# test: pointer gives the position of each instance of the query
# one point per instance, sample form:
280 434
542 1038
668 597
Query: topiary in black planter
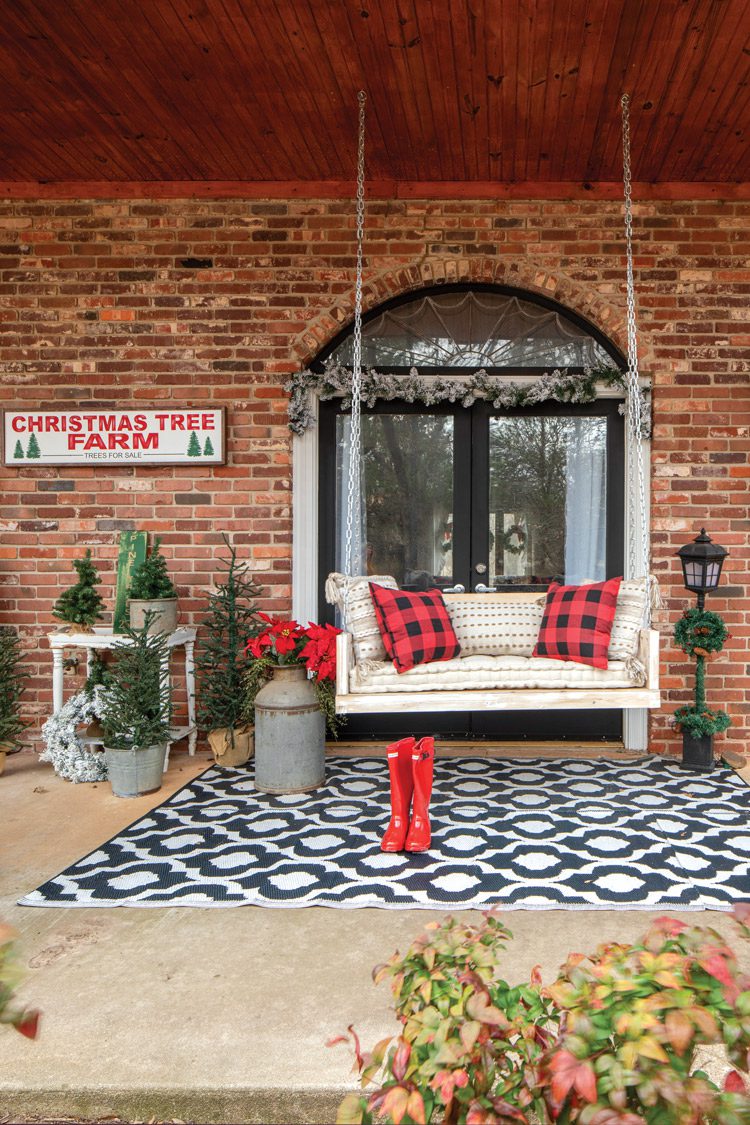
700 632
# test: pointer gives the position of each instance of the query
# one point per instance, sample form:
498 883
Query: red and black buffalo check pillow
415 627
577 622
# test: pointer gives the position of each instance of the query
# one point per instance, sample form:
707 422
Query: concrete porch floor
205 1015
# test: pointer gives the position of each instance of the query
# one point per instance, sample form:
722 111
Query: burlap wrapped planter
228 754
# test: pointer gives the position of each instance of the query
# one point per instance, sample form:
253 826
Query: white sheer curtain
586 502
359 522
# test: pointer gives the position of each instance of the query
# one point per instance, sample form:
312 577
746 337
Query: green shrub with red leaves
25 1020
610 1042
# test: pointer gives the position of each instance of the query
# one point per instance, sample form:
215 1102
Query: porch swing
367 686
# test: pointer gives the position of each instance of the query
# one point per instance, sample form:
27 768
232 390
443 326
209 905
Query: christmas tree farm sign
90 437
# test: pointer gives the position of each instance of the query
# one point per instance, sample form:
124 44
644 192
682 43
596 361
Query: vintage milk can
289 734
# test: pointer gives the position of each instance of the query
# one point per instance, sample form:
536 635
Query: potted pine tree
11 689
81 605
221 663
137 711
152 592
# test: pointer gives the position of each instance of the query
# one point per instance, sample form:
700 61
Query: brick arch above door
522 273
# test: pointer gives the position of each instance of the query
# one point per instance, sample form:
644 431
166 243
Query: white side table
104 638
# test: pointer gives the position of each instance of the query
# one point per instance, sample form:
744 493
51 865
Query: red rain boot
402 784
418 837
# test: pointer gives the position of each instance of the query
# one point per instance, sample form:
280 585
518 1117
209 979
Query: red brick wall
96 309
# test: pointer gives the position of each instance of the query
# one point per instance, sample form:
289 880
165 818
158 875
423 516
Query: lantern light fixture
702 561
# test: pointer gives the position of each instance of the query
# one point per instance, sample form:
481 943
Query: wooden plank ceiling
460 92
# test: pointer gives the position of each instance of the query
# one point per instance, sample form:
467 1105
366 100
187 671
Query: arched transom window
472 329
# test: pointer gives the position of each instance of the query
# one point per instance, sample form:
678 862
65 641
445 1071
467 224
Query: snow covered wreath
70 757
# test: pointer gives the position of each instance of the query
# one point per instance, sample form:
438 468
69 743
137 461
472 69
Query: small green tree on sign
33 449
194 446
208 449
18 451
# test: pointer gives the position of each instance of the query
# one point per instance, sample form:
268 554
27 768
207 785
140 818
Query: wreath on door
513 539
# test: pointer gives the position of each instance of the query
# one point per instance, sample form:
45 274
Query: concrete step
207 1106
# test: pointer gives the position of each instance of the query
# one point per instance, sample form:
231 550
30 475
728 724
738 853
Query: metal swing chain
354 499
634 413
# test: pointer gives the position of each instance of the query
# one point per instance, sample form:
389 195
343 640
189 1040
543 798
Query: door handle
480 588
457 589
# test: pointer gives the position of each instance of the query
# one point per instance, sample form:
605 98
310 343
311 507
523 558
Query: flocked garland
502 392
70 757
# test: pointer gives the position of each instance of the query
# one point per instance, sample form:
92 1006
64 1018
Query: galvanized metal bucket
135 772
289 734
164 610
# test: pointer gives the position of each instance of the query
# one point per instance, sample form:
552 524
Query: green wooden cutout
132 552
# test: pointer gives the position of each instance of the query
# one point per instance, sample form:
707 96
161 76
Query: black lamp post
702 561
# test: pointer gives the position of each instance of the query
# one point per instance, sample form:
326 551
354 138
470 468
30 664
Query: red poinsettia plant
285 642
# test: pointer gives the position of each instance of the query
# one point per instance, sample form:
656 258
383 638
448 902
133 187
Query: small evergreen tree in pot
152 591
137 712
221 662
12 687
81 605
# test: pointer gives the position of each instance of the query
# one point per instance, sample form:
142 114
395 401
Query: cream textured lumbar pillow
629 617
359 618
495 628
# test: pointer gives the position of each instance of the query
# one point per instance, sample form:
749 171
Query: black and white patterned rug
516 834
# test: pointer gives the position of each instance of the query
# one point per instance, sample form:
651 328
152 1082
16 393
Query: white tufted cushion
494 627
361 621
483 673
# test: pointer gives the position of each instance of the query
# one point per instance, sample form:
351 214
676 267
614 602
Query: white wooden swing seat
495 671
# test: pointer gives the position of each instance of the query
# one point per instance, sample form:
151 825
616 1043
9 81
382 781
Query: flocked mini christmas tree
81 604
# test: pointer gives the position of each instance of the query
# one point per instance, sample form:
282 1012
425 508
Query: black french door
481 500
